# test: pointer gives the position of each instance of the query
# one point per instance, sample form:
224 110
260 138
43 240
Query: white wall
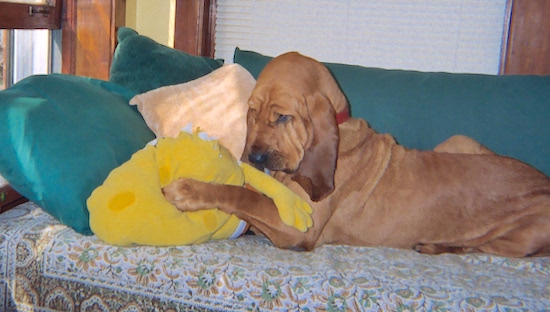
152 18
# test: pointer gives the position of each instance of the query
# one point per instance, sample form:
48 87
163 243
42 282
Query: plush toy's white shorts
241 228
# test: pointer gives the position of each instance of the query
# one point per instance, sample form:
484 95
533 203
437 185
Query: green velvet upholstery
141 64
508 114
61 135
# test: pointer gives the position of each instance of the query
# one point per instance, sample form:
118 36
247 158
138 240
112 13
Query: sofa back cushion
508 114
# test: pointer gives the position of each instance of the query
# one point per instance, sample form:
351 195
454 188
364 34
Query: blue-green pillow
508 114
61 135
141 64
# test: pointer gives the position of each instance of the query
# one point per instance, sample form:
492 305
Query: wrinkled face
279 129
292 124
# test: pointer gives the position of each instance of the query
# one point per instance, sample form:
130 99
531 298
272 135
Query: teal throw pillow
141 64
61 136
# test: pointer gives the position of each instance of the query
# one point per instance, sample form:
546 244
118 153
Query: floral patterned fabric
47 266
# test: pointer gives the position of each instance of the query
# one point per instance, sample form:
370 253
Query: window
29 52
28 42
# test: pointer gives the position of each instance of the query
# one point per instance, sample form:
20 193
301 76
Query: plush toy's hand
293 210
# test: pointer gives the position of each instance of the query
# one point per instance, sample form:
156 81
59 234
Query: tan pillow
215 103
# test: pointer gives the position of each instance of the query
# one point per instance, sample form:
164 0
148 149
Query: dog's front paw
435 249
430 249
186 194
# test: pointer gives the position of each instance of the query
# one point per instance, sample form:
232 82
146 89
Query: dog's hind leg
529 237
461 144
526 236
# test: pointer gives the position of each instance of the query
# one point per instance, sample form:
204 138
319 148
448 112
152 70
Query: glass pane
31 51
28 52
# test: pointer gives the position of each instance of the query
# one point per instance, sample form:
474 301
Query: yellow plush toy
129 208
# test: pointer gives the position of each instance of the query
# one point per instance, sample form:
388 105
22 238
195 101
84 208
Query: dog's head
292 122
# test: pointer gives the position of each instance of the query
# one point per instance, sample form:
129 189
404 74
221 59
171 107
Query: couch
62 135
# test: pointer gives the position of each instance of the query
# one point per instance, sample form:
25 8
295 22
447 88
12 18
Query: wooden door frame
194 26
89 36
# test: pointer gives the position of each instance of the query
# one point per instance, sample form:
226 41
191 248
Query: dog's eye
283 118
252 114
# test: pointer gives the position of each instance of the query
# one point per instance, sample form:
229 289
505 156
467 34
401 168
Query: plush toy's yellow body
129 208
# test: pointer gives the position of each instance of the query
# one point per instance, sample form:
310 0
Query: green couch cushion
508 114
141 64
61 135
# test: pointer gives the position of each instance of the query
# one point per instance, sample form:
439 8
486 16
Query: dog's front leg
255 208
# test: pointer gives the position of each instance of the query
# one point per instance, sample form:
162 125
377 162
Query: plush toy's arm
293 210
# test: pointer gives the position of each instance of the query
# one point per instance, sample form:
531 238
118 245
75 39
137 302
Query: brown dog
365 189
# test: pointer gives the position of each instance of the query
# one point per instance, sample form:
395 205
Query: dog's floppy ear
316 171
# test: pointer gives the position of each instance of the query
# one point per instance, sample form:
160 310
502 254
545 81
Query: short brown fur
365 189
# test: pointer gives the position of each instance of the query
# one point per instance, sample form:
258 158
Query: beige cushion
215 104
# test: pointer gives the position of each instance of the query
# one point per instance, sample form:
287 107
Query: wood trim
5 55
19 16
118 10
9 198
195 26
89 36
68 37
209 42
528 46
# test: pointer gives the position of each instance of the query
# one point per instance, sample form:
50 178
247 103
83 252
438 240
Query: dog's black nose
257 158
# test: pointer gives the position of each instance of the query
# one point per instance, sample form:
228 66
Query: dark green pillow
61 135
508 114
141 64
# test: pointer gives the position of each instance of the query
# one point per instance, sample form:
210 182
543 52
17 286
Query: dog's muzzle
258 158
267 159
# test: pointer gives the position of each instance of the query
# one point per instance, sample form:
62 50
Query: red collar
342 116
